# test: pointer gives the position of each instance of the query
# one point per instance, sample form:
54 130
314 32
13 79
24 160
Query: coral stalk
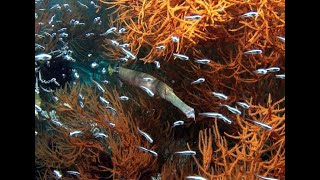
158 87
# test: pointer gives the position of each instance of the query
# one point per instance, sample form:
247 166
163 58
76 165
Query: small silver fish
111 124
260 71
193 17
157 64
94 65
175 38
35 133
225 119
75 133
98 85
124 98
123 59
81 96
202 61
198 81
73 173
148 151
254 51
96 20
177 123
83 5
181 56
67 105
111 30
196 178
57 174
220 95
282 39
115 43
128 53
51 19
280 76
62 29
122 30
147 79
147 136
100 135
210 114
266 178
37 108
103 71
103 100
187 153
250 14
89 34
106 81
57 6
244 105
124 45
76 75
43 57
162 47
89 55
147 90
63 34
264 126
232 109
81 104
273 69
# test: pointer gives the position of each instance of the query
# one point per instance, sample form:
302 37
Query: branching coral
253 151
82 150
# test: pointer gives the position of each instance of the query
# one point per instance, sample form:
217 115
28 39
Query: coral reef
223 58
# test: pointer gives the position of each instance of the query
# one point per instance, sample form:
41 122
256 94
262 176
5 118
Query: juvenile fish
128 53
147 136
198 81
187 153
254 51
193 17
225 119
160 47
75 133
123 98
73 173
210 114
220 95
103 100
111 30
202 61
147 90
89 34
249 14
178 123
124 45
94 65
57 174
175 38
157 64
196 178
181 56
83 5
147 79
51 19
115 43
282 39
100 135
231 109
266 178
260 71
148 151
123 59
98 85
63 34
43 57
273 69
280 76
122 30
264 126
244 105
62 29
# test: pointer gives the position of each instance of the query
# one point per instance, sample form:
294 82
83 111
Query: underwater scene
160 89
